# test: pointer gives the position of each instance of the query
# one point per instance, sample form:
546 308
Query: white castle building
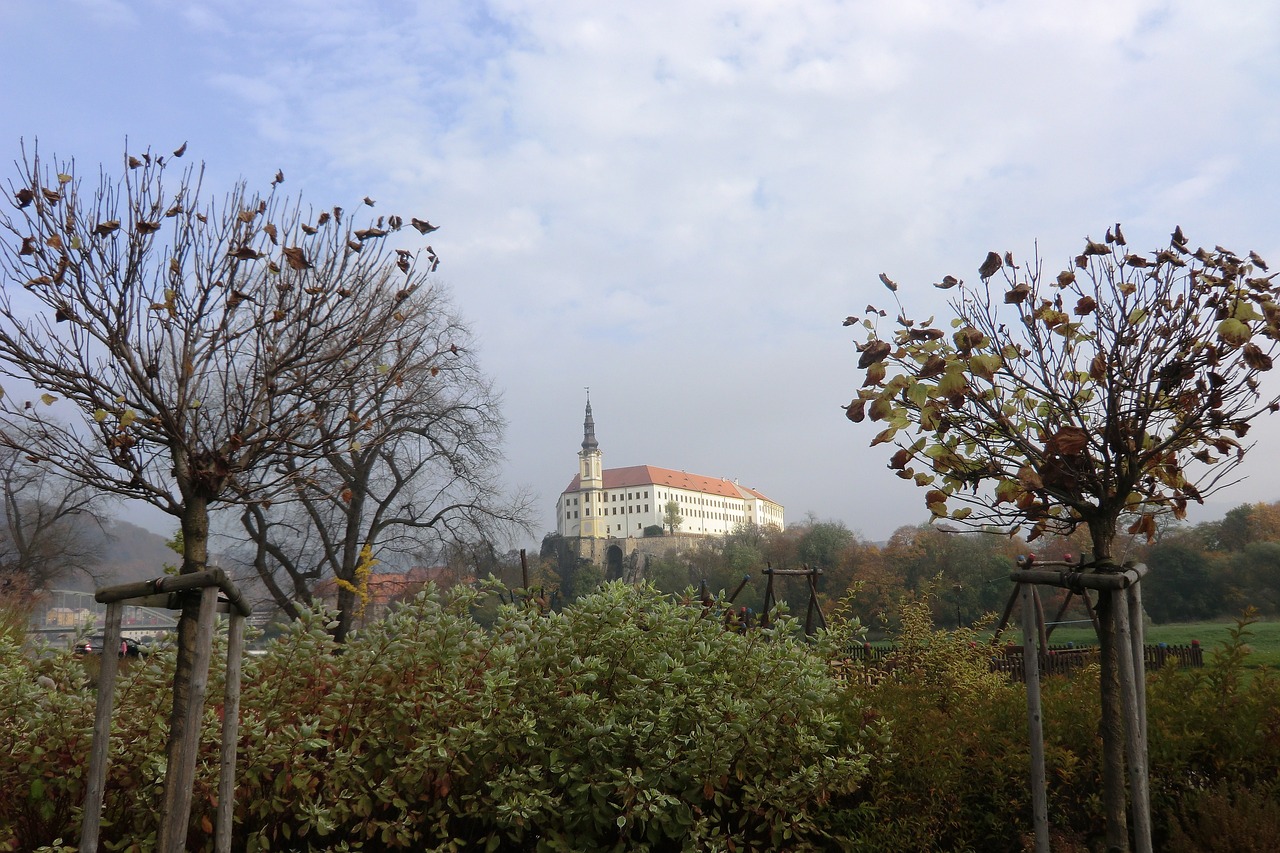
619 503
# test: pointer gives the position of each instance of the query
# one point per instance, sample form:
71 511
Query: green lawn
1264 639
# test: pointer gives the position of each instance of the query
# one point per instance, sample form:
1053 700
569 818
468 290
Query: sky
677 204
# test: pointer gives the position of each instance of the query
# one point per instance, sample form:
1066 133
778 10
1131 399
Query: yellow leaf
48 399
127 418
99 415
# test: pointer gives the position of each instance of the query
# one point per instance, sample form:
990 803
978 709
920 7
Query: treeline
1204 571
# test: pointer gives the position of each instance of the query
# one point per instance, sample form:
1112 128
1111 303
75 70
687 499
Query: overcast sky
677 203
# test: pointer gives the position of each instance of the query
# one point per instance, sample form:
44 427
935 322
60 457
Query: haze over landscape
677 204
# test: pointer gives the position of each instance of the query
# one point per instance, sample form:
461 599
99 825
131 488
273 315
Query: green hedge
631 722
625 723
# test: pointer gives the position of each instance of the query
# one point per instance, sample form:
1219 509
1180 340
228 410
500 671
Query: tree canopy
1121 384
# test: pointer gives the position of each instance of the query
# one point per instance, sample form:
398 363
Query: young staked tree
189 337
1119 387
407 467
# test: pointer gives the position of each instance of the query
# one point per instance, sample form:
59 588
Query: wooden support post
99 755
1139 656
230 735
1035 725
1135 744
173 835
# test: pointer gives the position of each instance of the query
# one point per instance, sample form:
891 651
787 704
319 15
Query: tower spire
589 428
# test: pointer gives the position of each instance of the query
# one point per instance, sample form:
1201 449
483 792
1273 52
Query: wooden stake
1035 726
230 736
100 752
1135 744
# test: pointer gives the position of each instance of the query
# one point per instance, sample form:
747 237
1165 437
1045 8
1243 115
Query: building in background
620 503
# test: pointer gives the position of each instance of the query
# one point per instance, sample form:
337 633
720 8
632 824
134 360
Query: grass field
1264 639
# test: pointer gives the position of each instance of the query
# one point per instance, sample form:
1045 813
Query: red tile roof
648 475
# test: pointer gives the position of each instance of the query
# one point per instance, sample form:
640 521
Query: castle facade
619 503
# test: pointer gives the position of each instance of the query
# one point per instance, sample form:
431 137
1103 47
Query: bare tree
1119 387
409 464
52 527
190 336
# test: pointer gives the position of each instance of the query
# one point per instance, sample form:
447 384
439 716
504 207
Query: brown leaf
180 150
51 196
889 283
308 229
355 245
1065 278
900 459
323 218
28 246
1255 357
1178 238
279 178
1098 368
1257 261
147 227
369 201
105 228
1092 248
873 352
1120 235
423 226
1018 295
990 266
245 253
370 233
934 365
948 282
1085 306
270 229
134 162
24 197
1068 441
297 260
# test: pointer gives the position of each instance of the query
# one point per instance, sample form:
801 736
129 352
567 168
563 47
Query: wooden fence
1060 660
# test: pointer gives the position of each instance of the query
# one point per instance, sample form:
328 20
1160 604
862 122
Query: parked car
129 647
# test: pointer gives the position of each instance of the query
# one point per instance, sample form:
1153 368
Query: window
646 507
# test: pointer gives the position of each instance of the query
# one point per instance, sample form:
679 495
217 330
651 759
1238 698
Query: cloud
678 203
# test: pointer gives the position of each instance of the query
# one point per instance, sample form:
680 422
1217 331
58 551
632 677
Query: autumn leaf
48 399
990 266
855 411
245 253
1068 441
370 233
1234 332
948 282
1255 357
105 228
889 283
423 226
1018 294
296 258
874 351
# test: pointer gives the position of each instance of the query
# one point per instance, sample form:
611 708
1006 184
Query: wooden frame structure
170 592
1123 585
813 617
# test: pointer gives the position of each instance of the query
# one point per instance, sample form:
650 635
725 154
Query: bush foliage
631 722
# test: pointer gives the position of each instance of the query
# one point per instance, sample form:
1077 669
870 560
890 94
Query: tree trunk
1112 724
195 556
346 613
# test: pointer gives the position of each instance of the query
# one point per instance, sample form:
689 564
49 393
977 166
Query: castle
619 503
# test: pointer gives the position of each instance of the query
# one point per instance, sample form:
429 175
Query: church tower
591 480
